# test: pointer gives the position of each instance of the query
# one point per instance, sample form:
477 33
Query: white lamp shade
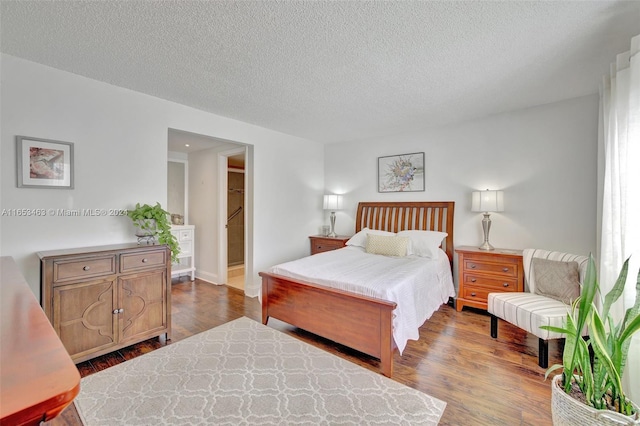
332 202
487 201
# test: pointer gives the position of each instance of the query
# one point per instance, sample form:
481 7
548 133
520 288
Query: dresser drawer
493 268
84 268
185 235
185 248
492 283
138 261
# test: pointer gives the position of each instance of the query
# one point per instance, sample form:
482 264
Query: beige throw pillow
387 245
556 279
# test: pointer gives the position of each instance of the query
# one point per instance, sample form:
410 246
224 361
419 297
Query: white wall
544 158
120 139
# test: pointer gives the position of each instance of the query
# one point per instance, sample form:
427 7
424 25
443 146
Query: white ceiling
187 142
331 71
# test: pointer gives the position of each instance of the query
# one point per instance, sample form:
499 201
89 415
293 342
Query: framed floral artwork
401 173
44 163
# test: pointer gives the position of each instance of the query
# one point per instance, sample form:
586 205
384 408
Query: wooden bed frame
359 322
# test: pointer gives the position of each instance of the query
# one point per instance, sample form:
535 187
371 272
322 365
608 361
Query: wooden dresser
320 243
100 299
37 377
481 272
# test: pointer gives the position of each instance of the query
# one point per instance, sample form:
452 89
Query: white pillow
387 245
360 239
424 243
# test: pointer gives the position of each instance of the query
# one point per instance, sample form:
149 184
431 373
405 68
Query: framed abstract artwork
401 173
44 163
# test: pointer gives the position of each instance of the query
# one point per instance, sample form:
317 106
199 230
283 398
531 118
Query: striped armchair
529 310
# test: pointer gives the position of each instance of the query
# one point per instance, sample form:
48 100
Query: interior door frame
222 212
186 184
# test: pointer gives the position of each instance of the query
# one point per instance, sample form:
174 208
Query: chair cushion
529 274
556 279
529 311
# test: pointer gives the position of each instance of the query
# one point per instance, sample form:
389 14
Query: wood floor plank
484 381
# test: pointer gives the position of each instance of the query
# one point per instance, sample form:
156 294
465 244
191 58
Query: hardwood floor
484 381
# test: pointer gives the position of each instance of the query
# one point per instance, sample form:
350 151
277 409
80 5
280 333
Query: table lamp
487 202
332 202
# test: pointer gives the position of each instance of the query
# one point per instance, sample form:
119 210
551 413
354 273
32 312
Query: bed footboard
359 322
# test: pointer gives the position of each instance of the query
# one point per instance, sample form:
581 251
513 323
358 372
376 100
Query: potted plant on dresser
153 225
589 390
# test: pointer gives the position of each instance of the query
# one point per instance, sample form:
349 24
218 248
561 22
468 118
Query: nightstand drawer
326 245
491 283
478 294
321 243
493 268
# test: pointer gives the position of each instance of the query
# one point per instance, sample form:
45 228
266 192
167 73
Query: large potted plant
589 390
152 222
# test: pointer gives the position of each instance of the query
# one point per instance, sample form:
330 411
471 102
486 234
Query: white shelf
185 234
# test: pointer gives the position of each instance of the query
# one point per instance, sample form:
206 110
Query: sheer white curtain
620 133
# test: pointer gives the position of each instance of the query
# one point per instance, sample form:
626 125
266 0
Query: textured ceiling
331 71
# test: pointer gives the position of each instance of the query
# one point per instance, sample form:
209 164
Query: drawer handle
473 280
121 310
472 266
505 284
505 269
473 295
115 312
86 268
145 260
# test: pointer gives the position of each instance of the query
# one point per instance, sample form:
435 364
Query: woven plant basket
151 224
567 411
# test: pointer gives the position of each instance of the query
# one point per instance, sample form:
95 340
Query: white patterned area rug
245 373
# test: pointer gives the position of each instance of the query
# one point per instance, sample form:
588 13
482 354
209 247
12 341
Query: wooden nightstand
320 243
481 272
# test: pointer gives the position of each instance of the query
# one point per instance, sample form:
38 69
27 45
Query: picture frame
401 173
44 163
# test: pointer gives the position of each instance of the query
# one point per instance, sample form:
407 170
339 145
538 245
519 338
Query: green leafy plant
598 373
153 221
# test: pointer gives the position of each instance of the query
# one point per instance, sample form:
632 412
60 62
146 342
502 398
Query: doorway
207 161
235 220
232 250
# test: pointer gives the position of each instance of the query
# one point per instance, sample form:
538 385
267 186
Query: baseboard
208 277
252 290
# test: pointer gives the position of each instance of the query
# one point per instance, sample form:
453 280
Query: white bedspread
419 286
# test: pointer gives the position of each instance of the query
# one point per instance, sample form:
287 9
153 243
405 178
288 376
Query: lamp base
486 226
486 246
332 219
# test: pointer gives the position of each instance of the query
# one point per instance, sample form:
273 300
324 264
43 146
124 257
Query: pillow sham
387 245
556 279
360 239
424 243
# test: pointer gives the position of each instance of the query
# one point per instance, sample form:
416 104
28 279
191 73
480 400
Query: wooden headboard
411 215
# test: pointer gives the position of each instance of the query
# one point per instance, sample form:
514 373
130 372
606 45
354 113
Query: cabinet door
142 300
83 316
